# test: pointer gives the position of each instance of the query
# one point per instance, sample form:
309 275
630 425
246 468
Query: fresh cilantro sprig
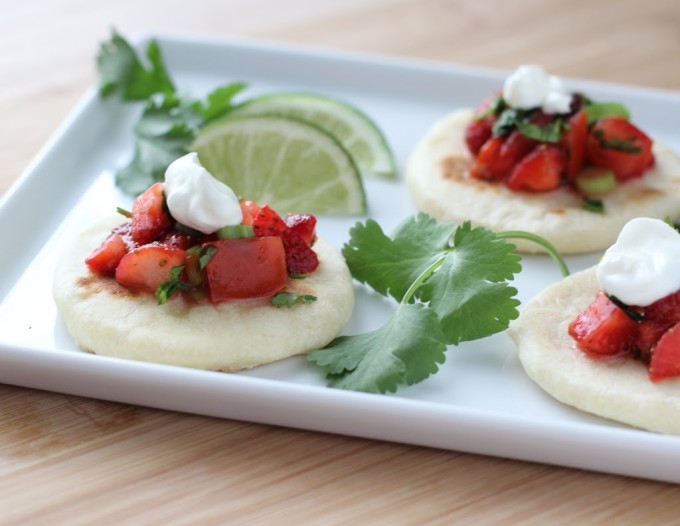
169 122
451 283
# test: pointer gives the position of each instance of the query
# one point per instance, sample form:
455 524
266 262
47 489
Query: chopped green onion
235 232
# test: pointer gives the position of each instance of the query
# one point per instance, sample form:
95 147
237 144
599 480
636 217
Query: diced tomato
540 170
658 318
665 361
149 216
485 164
648 334
304 225
604 329
105 258
480 127
246 268
300 258
574 142
616 144
478 131
249 210
500 154
268 223
665 310
146 267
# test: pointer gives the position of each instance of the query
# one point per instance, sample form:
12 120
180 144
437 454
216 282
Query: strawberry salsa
580 144
637 314
154 253
609 328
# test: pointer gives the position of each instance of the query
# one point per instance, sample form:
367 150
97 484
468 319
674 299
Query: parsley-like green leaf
593 205
404 351
390 265
551 132
218 102
205 255
173 285
288 299
123 74
507 121
469 291
169 123
451 283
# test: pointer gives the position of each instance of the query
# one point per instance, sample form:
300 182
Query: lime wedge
289 164
354 129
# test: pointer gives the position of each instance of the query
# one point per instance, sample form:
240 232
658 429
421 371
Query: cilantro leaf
123 74
551 132
173 285
218 102
469 291
390 265
451 283
169 123
406 350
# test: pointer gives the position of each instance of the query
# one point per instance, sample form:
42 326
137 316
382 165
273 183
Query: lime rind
357 132
290 164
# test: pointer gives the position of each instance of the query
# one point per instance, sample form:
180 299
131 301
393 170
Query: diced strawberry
540 171
249 210
485 164
574 143
304 225
499 155
149 216
177 239
268 223
604 329
105 258
665 310
478 131
146 267
649 332
617 144
300 258
665 361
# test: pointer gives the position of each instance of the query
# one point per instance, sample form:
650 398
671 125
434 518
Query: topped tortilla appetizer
535 157
607 340
197 278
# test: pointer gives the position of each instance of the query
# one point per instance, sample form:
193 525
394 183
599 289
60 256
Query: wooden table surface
70 460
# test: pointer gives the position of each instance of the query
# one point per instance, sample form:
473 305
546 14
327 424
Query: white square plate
480 402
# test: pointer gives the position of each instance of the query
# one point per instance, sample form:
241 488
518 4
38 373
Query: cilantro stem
420 279
549 247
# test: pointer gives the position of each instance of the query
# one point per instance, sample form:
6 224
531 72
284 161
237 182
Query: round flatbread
437 175
617 389
105 318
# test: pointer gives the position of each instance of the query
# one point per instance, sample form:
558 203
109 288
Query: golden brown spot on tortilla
643 194
93 284
557 211
455 167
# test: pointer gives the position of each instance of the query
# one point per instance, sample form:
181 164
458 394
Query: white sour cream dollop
531 87
644 264
198 200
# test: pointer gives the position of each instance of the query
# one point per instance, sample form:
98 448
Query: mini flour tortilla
618 389
105 318
437 175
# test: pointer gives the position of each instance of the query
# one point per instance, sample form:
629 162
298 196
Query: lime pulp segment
360 136
289 164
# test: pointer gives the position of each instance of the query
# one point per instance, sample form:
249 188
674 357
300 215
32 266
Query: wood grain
70 460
